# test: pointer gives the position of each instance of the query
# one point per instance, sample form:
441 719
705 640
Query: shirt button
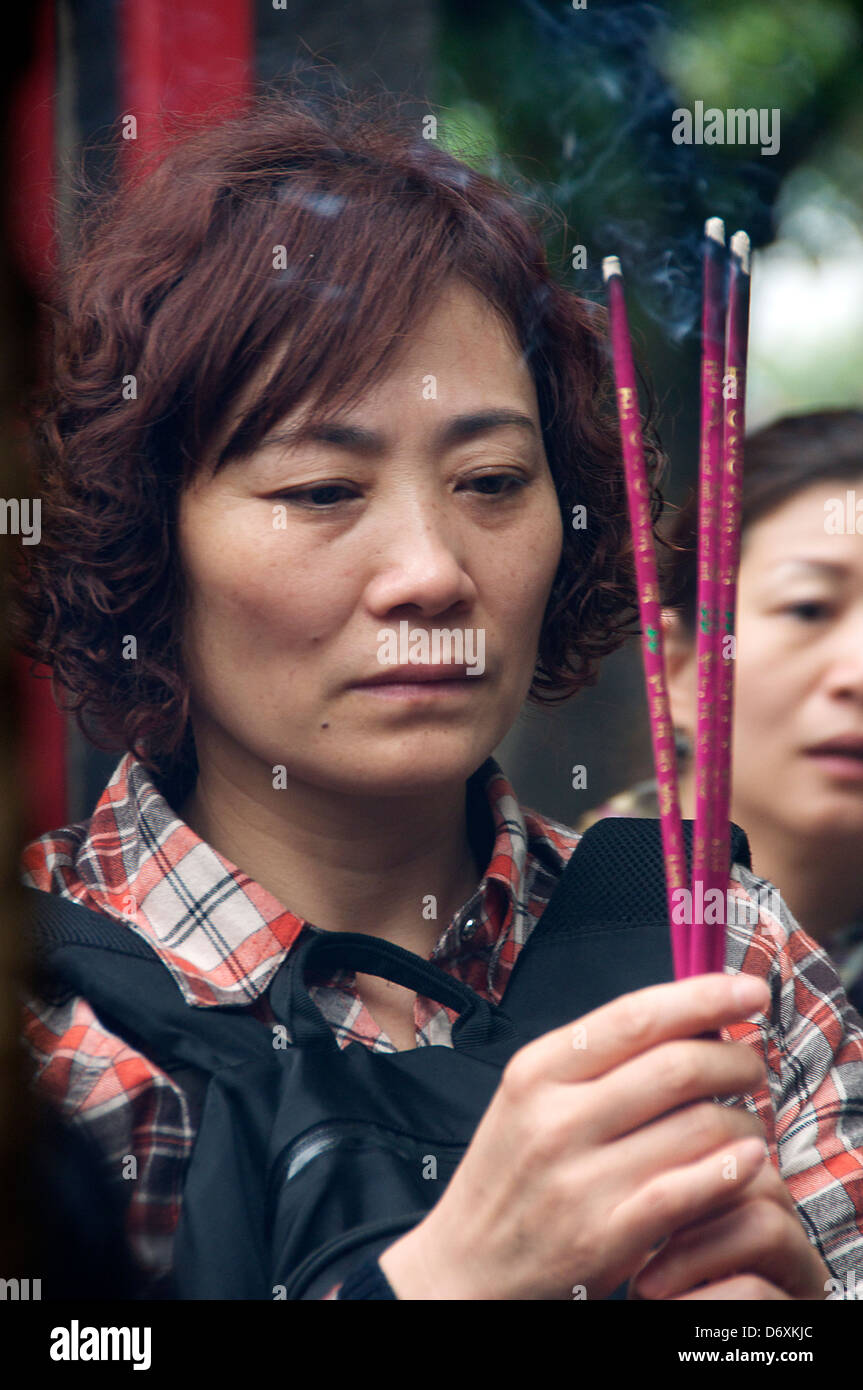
469 928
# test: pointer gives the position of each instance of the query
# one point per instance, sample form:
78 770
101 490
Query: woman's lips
421 683
843 762
421 691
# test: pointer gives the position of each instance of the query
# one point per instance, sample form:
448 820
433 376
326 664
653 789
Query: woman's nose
419 560
846 668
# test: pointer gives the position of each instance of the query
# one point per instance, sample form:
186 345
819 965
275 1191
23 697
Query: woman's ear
680 668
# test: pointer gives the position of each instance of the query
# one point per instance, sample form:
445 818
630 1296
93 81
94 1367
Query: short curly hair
166 308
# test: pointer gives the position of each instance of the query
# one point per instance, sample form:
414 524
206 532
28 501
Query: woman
319 403
798 718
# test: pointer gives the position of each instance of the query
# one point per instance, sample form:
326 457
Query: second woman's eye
501 484
810 610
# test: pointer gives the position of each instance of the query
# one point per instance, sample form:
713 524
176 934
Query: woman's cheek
764 694
539 546
262 580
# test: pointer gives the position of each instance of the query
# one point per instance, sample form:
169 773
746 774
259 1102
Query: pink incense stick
647 582
707 874
734 399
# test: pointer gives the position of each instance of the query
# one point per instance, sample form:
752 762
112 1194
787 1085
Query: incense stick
647 582
734 400
706 874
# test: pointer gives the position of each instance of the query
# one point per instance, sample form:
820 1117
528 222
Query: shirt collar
224 936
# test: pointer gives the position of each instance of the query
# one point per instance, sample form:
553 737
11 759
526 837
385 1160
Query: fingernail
750 993
650 1285
753 1148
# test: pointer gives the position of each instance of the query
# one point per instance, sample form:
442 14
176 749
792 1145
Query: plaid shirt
845 946
222 937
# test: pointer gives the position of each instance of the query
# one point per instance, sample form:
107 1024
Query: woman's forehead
805 509
460 333
815 528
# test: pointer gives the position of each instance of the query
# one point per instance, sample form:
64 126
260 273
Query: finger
769 1183
637 1022
684 1137
671 1075
757 1235
747 1287
682 1195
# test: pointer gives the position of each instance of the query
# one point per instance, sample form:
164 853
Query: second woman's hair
780 460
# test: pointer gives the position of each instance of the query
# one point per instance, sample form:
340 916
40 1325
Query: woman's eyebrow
832 568
365 441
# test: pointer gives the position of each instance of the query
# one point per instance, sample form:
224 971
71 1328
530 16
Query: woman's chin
832 809
407 768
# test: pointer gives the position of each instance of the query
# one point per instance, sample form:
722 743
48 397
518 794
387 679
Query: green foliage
767 53
468 131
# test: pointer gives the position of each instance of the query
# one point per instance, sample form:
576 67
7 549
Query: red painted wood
177 58
41 726
181 58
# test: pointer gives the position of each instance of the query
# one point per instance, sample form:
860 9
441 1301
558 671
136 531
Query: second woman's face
425 517
799 681
799 668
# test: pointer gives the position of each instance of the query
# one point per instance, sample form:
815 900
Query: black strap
291 1003
605 930
614 882
616 876
58 921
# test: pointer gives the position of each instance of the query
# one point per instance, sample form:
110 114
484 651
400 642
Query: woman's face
799 668
301 558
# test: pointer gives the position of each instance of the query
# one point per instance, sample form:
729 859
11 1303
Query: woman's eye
809 609
320 497
327 495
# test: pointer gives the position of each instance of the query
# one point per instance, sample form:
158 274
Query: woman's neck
393 867
817 877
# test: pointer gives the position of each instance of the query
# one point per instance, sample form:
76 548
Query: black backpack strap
616 875
56 922
77 951
605 931
479 1023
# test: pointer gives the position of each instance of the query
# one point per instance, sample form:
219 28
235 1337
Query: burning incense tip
740 248
714 228
610 266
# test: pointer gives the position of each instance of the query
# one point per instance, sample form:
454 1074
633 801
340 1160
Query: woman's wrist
414 1272
366 1281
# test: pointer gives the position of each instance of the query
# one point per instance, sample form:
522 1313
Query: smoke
625 187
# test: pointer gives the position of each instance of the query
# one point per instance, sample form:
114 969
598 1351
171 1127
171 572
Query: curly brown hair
167 307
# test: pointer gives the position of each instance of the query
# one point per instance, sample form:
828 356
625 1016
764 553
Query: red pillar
180 57
42 728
